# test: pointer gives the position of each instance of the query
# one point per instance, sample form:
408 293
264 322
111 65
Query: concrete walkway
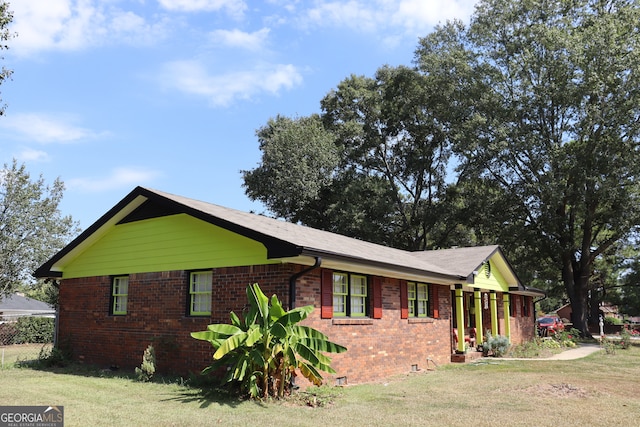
579 352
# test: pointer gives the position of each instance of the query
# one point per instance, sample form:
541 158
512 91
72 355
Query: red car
549 325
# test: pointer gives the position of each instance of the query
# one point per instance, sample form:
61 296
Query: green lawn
599 390
11 354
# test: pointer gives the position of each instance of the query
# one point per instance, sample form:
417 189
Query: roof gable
166 242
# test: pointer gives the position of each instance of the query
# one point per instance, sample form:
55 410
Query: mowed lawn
601 389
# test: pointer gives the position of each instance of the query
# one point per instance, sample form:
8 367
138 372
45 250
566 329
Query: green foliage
261 352
148 367
8 331
610 346
58 356
41 290
497 345
627 295
299 158
34 330
567 338
625 338
545 128
31 226
6 17
608 320
544 347
536 101
373 166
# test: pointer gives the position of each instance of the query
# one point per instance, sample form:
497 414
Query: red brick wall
522 326
380 347
156 314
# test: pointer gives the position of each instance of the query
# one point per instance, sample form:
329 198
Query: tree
382 169
299 158
6 16
620 280
628 299
262 351
547 113
32 228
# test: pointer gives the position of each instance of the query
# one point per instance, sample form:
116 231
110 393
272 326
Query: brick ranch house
158 266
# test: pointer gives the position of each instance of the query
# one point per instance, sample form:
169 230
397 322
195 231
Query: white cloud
31 155
232 7
406 17
193 78
417 16
351 14
118 178
69 25
235 38
44 128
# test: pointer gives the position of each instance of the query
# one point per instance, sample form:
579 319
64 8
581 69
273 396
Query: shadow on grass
206 397
196 388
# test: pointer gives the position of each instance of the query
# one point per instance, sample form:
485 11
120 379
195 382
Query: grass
598 390
11 354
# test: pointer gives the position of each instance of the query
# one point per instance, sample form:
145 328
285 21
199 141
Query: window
418 296
119 294
349 295
419 300
200 293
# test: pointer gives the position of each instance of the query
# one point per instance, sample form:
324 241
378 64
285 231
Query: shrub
567 338
609 346
34 330
8 332
145 372
58 356
612 321
497 346
625 339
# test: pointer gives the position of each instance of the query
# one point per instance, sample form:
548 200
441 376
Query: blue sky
168 94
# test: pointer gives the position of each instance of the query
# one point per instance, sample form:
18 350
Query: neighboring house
17 305
607 310
158 266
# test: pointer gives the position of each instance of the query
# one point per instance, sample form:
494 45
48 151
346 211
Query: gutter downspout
295 277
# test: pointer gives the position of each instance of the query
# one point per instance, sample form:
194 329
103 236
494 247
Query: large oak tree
550 119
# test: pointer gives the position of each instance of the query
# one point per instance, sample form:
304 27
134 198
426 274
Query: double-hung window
119 295
350 292
200 284
418 295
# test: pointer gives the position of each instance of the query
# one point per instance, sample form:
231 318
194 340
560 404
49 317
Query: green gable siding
176 242
495 281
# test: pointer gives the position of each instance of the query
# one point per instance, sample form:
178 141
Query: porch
478 312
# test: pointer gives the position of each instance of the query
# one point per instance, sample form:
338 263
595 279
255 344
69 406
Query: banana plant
262 351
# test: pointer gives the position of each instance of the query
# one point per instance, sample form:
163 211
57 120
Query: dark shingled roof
285 240
16 302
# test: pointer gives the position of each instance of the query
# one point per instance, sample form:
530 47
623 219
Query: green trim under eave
176 242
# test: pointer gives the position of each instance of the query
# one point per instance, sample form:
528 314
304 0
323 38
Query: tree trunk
576 283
